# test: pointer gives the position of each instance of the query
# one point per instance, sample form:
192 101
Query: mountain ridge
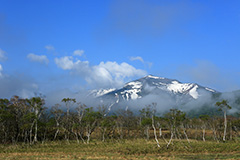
166 93
133 89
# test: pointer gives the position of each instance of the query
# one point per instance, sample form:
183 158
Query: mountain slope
167 93
156 86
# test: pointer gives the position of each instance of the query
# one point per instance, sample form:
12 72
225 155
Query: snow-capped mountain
165 92
154 85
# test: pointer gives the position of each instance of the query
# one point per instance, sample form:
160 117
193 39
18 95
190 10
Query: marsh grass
127 149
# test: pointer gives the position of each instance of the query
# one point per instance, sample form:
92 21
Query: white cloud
38 58
49 47
2 55
107 74
138 58
100 77
114 74
121 70
66 63
78 52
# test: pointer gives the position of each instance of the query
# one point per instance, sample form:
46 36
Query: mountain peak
153 77
158 86
150 89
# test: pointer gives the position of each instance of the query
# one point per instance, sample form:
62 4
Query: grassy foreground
128 149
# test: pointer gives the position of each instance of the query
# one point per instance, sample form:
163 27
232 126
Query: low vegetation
30 131
124 149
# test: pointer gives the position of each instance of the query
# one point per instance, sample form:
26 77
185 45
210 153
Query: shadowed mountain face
164 91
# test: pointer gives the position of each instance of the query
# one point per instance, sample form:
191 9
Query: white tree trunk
184 131
36 128
215 134
88 134
204 128
76 135
155 133
147 132
88 138
160 132
103 135
231 132
56 133
170 139
80 135
225 126
30 133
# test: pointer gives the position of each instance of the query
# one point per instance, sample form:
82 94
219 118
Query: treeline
30 121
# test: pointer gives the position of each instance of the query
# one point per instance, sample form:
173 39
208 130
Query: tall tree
37 108
79 129
176 119
204 119
91 118
57 113
146 119
69 102
153 123
223 106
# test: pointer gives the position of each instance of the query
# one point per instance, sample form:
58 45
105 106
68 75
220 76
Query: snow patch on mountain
98 93
177 87
116 95
193 92
154 77
211 90
133 92
135 85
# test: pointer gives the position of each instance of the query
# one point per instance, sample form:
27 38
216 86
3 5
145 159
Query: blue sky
53 46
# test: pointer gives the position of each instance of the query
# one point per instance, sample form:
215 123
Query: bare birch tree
223 106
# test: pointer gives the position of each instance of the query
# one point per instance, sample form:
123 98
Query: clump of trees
30 121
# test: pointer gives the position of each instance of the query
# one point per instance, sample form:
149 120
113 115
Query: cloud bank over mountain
106 74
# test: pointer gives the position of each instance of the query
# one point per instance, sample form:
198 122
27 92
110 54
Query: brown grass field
124 149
